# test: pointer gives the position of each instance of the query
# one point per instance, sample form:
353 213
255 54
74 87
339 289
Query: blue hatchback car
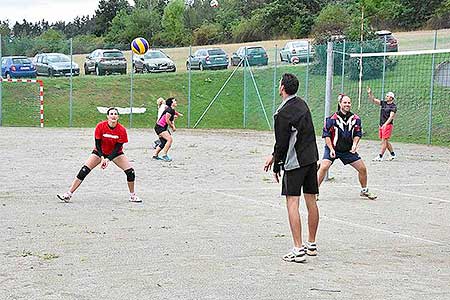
17 67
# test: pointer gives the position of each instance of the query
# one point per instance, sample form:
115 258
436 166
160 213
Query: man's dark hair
290 83
169 101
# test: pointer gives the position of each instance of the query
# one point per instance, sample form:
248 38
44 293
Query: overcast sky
50 10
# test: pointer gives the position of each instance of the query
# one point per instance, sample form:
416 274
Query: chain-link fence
245 94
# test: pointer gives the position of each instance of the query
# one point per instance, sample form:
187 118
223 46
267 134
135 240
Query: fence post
1 75
343 67
71 85
131 91
307 71
430 110
274 83
384 69
329 84
245 88
189 89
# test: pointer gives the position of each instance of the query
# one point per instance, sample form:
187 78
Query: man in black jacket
295 152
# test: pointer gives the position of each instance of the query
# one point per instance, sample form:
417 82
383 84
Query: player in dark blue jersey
342 133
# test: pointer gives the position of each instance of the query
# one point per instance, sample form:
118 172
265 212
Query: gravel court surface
213 225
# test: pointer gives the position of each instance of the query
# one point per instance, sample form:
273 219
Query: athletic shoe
64 197
368 194
311 249
134 198
294 256
377 158
392 157
156 157
166 158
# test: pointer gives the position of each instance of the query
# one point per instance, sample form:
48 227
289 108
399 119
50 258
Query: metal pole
131 91
307 71
384 69
343 67
329 84
1 74
71 85
189 89
274 83
245 88
430 110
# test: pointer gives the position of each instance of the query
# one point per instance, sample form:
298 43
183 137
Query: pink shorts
386 132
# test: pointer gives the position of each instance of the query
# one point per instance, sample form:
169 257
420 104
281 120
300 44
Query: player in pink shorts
388 111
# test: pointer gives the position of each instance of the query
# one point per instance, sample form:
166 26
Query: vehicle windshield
58 58
113 54
257 50
216 52
21 60
154 54
300 44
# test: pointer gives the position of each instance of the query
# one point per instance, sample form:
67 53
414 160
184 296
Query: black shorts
98 154
159 129
305 177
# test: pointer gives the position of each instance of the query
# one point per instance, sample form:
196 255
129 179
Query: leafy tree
51 41
174 31
207 34
107 10
140 23
441 17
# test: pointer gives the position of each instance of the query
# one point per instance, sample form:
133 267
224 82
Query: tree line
176 23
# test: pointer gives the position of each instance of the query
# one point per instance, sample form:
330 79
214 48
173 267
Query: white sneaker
64 197
311 249
294 256
377 158
134 198
392 157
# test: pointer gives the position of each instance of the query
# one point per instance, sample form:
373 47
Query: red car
391 41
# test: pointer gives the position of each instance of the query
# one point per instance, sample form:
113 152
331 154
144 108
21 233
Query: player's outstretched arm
372 97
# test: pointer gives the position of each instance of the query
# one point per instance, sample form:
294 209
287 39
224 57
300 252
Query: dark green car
256 56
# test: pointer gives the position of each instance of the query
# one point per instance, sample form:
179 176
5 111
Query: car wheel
124 72
200 66
50 73
188 67
86 71
145 69
7 75
281 57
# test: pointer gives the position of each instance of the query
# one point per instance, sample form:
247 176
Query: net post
384 68
343 66
430 110
307 70
329 85
245 88
274 83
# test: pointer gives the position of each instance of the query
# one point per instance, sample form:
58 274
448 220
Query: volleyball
214 3
139 45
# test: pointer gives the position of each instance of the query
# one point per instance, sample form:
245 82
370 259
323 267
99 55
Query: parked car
153 61
54 64
208 58
295 51
105 61
391 41
256 55
17 67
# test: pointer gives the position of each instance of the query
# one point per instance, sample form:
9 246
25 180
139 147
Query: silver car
153 61
295 51
54 64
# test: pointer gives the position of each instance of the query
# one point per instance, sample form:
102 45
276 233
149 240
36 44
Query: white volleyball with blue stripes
139 45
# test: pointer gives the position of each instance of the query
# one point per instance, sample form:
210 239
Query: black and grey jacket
295 139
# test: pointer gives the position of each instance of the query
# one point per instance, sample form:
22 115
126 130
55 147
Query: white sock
297 250
69 193
365 190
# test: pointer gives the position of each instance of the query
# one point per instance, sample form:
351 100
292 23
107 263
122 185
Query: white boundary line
416 52
381 230
411 195
335 220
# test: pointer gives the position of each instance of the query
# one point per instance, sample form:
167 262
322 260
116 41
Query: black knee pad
130 174
83 173
163 142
